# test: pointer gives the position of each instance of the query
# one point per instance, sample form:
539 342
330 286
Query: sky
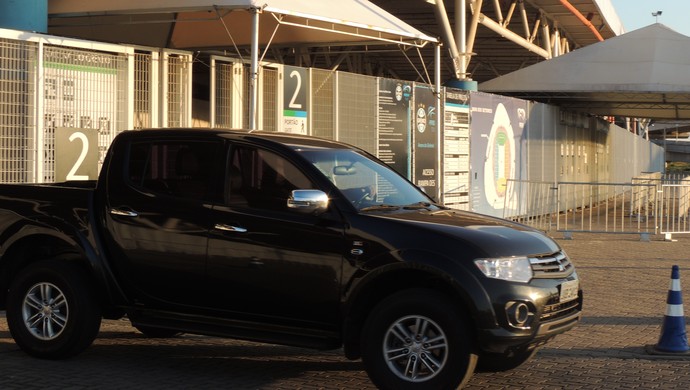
636 14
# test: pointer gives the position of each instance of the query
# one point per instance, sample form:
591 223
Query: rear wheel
52 311
417 339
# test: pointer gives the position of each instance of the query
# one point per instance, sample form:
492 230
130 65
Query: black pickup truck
280 239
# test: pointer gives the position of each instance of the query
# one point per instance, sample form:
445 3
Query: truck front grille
559 310
551 267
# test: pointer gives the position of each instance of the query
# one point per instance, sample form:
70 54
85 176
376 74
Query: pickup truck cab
281 239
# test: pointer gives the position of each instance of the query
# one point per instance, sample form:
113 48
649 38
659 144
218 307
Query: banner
496 129
426 140
394 124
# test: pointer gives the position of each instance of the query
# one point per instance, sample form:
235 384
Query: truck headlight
515 269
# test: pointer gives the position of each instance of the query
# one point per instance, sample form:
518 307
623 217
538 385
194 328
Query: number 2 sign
295 94
76 154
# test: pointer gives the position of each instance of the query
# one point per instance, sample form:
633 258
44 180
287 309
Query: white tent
644 73
187 24
231 24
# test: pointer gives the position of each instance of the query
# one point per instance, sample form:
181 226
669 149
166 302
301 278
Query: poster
394 125
497 124
426 139
456 149
295 88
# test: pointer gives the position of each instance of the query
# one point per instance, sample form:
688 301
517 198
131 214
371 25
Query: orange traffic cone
673 339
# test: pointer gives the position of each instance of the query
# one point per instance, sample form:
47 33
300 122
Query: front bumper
548 319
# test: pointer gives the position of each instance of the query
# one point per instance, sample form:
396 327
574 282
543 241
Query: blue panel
27 15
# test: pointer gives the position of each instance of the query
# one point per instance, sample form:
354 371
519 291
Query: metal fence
50 87
606 208
531 202
655 204
17 110
674 209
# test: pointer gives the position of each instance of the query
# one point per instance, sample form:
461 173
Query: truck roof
258 136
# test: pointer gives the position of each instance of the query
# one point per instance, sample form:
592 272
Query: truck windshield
367 184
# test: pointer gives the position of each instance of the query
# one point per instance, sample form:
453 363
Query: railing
640 207
531 203
674 209
606 208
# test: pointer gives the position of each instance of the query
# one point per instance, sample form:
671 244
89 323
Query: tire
448 351
500 363
157 333
57 296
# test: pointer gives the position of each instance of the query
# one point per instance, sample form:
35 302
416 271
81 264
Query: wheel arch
392 278
34 243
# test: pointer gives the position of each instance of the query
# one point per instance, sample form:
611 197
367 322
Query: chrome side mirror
308 201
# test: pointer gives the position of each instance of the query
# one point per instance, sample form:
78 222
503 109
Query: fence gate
674 209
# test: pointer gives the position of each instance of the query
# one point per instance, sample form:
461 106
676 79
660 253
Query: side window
180 169
262 179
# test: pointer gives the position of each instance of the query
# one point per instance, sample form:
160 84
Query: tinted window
262 179
181 169
362 181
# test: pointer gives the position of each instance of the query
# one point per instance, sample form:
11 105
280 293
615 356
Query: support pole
461 34
438 171
447 33
254 68
476 12
515 38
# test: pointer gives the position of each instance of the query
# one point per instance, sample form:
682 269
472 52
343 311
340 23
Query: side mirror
308 201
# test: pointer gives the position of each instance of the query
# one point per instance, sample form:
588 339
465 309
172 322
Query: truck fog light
519 314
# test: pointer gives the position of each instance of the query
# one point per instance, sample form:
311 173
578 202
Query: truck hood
494 236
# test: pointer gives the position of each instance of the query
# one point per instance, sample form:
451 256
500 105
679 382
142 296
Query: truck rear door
158 217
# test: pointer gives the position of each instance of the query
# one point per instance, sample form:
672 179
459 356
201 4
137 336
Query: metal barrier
531 203
607 208
623 208
674 209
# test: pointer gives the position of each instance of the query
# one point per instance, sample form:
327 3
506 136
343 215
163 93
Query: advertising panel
426 140
394 124
497 124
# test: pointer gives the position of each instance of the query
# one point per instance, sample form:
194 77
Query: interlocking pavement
625 282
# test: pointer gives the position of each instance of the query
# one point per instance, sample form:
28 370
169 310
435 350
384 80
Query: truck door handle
230 228
124 213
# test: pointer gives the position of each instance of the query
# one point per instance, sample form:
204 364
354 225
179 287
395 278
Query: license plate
569 290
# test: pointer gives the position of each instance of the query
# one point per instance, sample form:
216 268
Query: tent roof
189 24
643 73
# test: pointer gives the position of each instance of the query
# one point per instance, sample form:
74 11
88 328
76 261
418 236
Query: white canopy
644 73
189 24
227 24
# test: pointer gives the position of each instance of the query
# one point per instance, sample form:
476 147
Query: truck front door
268 263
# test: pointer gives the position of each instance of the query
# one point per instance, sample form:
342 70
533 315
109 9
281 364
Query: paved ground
626 282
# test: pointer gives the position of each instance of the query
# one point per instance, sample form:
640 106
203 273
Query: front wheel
417 339
51 310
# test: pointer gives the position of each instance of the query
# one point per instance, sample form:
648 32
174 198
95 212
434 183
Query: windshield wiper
420 206
380 207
